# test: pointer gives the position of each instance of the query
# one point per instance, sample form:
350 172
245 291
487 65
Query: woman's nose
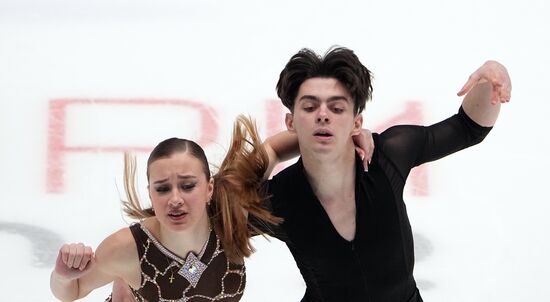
176 200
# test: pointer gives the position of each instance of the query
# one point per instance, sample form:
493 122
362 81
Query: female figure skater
189 245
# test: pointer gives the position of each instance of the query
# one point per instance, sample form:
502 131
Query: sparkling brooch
192 269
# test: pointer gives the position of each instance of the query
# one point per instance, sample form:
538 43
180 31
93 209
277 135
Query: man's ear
357 124
289 121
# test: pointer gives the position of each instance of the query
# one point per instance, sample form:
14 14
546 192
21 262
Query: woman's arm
121 292
284 146
78 270
280 147
73 261
76 273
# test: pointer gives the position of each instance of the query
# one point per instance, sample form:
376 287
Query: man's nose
322 117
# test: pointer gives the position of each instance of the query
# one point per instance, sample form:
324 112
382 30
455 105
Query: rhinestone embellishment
148 257
192 269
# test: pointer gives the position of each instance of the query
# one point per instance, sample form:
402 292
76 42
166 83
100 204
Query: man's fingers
464 89
501 92
472 81
494 73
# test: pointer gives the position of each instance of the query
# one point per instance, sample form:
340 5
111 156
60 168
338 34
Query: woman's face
179 191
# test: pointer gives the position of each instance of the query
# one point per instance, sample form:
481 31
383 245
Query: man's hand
495 73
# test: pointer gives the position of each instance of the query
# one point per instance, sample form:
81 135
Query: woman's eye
162 189
187 187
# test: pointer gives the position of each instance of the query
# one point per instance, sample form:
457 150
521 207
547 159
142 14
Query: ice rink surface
81 81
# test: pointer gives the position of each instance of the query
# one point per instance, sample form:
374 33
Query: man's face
323 117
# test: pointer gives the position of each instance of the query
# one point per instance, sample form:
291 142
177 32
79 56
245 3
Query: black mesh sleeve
408 146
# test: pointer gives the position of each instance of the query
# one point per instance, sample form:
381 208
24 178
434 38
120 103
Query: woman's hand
364 145
74 260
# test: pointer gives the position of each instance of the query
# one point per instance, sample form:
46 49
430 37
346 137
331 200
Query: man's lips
322 133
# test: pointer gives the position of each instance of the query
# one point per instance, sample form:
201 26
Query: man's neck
332 178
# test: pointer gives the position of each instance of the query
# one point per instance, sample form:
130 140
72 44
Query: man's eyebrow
308 97
335 98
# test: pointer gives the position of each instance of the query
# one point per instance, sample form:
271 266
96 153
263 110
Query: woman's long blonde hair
238 188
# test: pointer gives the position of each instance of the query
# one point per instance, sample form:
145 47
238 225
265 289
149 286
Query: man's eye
309 108
338 110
